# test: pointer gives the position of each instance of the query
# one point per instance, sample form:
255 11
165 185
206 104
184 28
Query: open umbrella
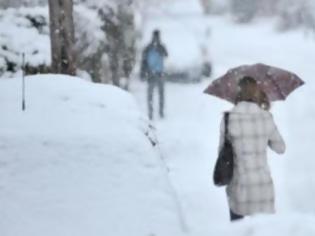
275 82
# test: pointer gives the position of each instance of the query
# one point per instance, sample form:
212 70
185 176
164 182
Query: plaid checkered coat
251 130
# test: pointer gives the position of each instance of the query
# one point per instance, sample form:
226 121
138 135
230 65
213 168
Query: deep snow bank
78 162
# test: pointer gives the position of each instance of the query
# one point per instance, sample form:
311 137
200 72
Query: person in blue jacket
152 69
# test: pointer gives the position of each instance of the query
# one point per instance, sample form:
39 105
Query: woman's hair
264 102
249 91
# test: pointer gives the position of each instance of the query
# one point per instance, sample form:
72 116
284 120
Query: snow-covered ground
79 161
189 134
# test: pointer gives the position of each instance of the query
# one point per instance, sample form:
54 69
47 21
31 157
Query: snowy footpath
189 135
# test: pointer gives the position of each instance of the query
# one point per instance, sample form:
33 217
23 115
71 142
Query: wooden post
23 82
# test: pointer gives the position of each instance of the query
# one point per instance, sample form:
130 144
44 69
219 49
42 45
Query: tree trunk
62 37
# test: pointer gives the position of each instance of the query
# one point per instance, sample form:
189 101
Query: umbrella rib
278 87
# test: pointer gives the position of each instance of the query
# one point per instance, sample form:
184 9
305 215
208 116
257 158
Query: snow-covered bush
3 65
90 42
215 6
119 26
290 14
244 11
24 30
88 31
19 3
297 14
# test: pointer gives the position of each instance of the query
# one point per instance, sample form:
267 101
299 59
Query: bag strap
226 124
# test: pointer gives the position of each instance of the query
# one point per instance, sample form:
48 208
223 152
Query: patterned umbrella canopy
275 82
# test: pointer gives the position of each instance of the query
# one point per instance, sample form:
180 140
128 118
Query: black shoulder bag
223 170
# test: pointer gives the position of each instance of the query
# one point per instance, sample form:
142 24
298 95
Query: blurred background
109 35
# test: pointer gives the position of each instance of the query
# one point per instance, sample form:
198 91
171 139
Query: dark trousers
235 217
155 80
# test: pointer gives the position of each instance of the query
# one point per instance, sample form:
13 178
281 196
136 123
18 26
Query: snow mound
79 161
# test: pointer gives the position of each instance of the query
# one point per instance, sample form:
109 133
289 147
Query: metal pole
23 82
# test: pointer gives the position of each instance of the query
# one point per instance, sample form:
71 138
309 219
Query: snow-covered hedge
26 30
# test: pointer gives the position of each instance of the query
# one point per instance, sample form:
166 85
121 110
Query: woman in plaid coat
251 130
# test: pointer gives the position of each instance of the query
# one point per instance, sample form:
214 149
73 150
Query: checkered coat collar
247 107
